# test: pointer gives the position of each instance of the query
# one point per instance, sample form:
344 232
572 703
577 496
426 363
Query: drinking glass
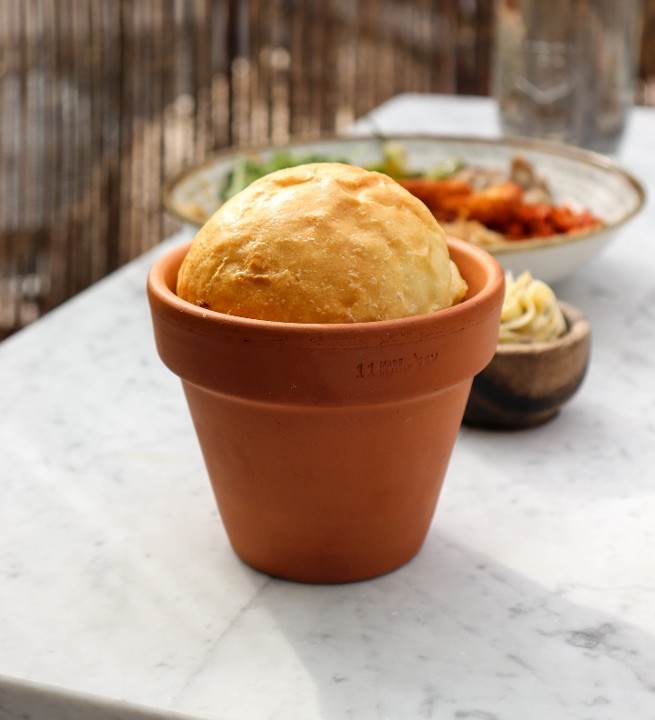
565 69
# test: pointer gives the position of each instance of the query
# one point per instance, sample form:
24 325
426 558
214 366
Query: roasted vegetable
512 205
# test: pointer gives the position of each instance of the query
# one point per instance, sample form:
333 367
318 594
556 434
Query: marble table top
533 597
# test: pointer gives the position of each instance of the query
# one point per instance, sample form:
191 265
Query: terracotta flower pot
327 445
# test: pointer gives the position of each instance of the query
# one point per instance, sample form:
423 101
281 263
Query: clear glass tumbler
565 69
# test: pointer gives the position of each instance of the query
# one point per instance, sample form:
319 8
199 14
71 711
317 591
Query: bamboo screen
102 100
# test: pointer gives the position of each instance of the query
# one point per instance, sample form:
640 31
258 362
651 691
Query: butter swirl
530 312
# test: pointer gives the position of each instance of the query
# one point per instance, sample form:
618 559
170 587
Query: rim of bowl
577 328
548 147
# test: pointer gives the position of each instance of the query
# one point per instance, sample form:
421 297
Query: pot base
327 495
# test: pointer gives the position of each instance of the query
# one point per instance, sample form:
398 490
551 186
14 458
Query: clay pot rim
578 328
455 316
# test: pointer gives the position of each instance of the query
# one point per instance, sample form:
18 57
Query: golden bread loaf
321 243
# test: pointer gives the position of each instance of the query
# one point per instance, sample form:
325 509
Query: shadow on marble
547 459
452 635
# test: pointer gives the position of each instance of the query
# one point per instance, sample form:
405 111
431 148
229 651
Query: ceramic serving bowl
576 176
327 445
526 384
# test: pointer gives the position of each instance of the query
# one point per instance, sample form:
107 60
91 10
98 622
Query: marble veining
533 596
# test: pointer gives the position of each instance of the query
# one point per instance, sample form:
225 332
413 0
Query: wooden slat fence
102 100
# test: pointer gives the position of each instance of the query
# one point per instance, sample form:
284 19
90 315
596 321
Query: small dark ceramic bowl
525 385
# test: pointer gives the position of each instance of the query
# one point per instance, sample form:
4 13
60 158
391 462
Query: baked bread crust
321 243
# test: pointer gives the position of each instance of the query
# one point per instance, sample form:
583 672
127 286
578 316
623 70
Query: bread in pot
321 243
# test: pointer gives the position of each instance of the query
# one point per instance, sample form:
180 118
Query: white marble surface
534 596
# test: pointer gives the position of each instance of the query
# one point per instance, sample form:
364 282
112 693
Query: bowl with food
534 205
540 363
326 334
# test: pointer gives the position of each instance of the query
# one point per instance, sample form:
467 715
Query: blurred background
102 100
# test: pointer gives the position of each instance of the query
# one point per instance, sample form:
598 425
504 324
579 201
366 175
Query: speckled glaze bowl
327 445
526 385
580 177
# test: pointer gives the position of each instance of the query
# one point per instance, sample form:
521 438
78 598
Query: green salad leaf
247 168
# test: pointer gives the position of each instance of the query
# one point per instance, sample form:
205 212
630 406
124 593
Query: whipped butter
530 312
